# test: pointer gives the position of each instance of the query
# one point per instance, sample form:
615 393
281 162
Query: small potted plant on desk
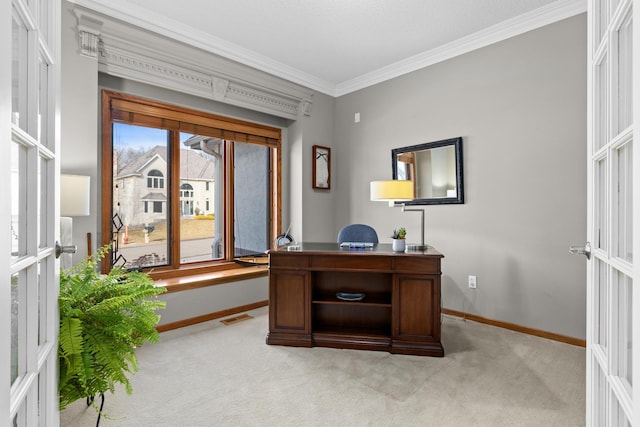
399 237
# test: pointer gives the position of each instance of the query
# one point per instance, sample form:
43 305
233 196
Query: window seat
195 281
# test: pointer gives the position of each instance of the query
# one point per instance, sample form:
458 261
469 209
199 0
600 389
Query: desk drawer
418 264
351 262
289 261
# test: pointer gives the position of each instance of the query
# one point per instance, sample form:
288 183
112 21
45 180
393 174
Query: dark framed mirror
435 169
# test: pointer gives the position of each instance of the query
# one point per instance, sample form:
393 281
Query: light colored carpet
216 375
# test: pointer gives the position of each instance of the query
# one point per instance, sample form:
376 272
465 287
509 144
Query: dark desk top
334 248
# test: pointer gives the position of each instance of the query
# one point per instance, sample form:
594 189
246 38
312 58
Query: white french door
29 125
613 315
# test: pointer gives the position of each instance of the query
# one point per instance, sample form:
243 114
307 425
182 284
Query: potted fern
103 318
399 242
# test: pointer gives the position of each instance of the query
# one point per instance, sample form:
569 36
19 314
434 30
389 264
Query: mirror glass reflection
435 168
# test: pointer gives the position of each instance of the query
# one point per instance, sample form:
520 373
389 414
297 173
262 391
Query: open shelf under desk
368 301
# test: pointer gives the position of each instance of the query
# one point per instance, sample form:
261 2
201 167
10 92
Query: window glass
139 196
251 199
201 179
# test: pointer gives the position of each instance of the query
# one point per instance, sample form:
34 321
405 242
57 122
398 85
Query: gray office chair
359 233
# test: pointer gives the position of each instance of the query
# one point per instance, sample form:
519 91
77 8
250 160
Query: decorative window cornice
88 34
132 53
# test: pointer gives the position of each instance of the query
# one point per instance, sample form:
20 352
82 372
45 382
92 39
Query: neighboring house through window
208 184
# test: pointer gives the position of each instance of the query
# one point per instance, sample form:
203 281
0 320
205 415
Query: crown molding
143 18
546 15
129 52
169 28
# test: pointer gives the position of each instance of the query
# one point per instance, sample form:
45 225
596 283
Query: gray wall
520 106
318 206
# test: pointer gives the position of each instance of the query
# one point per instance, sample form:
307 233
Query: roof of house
154 197
194 165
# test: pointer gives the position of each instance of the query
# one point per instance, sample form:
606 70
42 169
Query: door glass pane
42 301
201 198
251 199
601 301
625 89
600 396
624 222
140 196
19 75
18 201
619 417
601 129
15 322
43 104
44 14
601 17
624 326
43 203
42 395
600 204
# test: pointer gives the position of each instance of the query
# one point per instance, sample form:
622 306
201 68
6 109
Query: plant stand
90 402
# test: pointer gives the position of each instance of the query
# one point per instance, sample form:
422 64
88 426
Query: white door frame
30 210
5 214
613 270
636 212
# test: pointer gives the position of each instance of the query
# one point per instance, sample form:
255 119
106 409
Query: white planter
398 245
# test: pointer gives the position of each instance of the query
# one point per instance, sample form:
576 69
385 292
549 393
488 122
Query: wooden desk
400 312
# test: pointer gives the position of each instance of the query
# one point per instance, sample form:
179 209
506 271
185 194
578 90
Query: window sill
195 281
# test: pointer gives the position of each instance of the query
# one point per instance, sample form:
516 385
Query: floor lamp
393 191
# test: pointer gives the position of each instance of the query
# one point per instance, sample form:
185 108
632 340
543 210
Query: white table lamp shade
74 195
391 191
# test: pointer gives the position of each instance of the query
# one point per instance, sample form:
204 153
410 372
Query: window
155 179
186 190
171 174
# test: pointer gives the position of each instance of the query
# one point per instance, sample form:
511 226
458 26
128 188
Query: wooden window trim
124 108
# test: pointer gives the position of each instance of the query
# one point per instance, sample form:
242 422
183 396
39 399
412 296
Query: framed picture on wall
321 167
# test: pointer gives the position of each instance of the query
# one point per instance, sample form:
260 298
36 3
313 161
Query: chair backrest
360 233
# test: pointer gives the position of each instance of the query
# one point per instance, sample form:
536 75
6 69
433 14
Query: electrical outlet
472 282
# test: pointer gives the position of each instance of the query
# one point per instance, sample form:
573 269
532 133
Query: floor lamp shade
74 195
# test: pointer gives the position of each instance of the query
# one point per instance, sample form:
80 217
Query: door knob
581 250
70 249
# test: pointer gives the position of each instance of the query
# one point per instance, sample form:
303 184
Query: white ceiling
338 46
